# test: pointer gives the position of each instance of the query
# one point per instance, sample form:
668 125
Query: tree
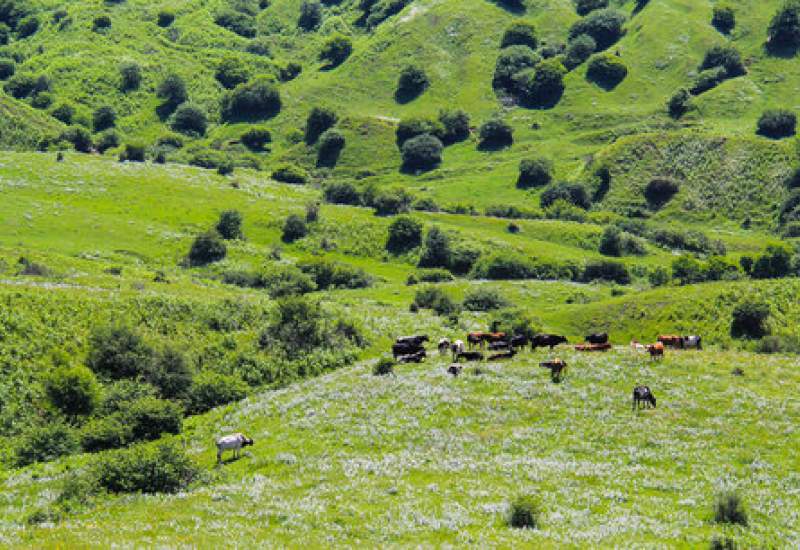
319 120
165 18
172 90
310 15
584 7
412 127
534 172
118 352
189 119
784 29
27 27
573 193
606 70
579 50
749 319
543 86
436 252
611 241
456 126
422 153
411 83
236 22
79 137
510 62
229 225
72 390
331 144
130 74
519 34
392 201
679 103
336 49
256 139
777 123
495 133
775 263
726 57
605 26
256 99
294 228
207 248
723 18
660 191
404 234
231 72
103 118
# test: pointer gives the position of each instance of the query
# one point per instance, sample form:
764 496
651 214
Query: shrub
462 259
290 71
172 90
211 389
726 57
63 112
296 328
606 270
229 225
331 144
46 442
7 68
484 299
130 76
327 274
583 7
519 34
456 126
430 276
777 123
161 468
404 234
658 277
707 80
660 191
290 173
436 251
508 266
524 513
256 99
573 193
729 509
104 118
286 280
412 127
110 432
775 263
256 139
101 23
606 70
189 119
149 418
723 18
20 86
605 26
384 366
422 152
342 193
495 133
294 228
42 100
133 152
611 241
790 209
723 543
749 319
543 86
411 83
236 22
72 390
431 297
336 49
207 248
392 201
310 15
784 29
534 172
117 352
27 27
107 140
318 121
679 103
579 50
165 18
784 343
231 72
79 137
511 61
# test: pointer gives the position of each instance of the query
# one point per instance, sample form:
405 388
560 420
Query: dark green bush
495 133
462 259
27 27
286 280
505 265
318 121
289 72
161 468
336 49
456 126
236 22
436 249
574 193
606 270
484 299
784 29
231 72
543 86
431 297
679 103
45 442
72 390
392 201
165 18
583 7
327 274
207 248
119 394
294 228
189 119
422 152
42 100
606 70
79 137
411 83
519 33
256 99
20 86
149 417
103 118
723 18
211 389
102 433
310 15
510 211
729 509
133 152
775 263
404 234
384 366
130 74
7 68
433 275
342 193
256 139
511 61
723 543
693 241
170 373
707 80
290 173
660 191
172 90
605 26
229 225
383 9
726 57
777 123
534 172
331 144
749 319
117 352
101 23
107 140
784 343
63 112
524 513
412 127
579 50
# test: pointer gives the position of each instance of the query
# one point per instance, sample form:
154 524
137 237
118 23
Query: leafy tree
294 228
511 61
256 99
207 248
296 327
777 123
189 119
495 133
727 57
519 34
331 144
63 112
130 74
72 390
79 137
336 50
236 22
605 26
231 72
422 152
436 252
534 172
456 126
784 29
170 373
611 241
256 139
319 120
392 201
103 118
404 234
411 83
211 389
660 191
45 442
543 86
579 50
229 225
584 7
573 193
775 263
290 173
412 127
118 352
749 319
679 103
172 90
310 15
606 70
342 193
723 18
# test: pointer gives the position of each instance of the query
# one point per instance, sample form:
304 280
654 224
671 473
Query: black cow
519 341
642 394
503 355
547 340
417 357
597 338
469 356
500 345
406 349
455 370
415 340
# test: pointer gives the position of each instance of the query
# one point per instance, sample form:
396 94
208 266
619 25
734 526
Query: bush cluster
535 172
411 83
605 26
257 99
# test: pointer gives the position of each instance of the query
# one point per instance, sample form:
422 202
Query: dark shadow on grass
407 96
640 5
607 84
517 7
782 51
165 110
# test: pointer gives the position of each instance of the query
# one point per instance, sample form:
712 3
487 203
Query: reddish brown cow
670 340
656 350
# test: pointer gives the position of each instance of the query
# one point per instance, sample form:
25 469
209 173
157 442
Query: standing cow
547 340
643 395
597 338
233 442
444 346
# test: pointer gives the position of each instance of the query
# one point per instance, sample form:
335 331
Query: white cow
444 345
233 442
457 347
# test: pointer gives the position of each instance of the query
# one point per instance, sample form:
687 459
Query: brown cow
671 341
557 368
656 350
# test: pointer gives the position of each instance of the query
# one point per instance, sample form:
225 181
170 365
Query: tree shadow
165 110
328 159
403 96
607 84
640 5
517 7
542 103
783 51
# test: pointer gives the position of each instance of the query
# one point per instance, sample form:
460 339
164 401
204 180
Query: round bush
456 126
749 320
79 137
784 29
63 112
336 50
660 191
130 76
413 127
584 7
7 68
100 434
392 201
229 225
28 27
422 153
211 389
404 234
519 34
511 61
436 252
207 248
606 70
319 120
46 442
524 513
495 133
72 390
342 193
411 83
165 18
107 140
606 270
256 139
605 26
579 50
150 417
679 103
42 100
253 100
777 123
534 172
484 299
294 228
162 468
20 86
726 57
118 352
384 366
104 118
573 193
310 15
231 72
172 90
101 23
611 241
723 18
189 119
289 173
133 152
236 22
331 144
543 86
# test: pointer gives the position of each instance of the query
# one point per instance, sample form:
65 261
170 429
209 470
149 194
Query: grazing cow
417 357
519 341
455 370
642 394
457 347
469 356
547 340
656 350
476 339
413 340
503 355
500 344
405 349
557 368
444 346
597 338
233 442
692 342
670 340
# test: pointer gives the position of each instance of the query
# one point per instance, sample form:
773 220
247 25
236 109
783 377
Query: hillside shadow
640 5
